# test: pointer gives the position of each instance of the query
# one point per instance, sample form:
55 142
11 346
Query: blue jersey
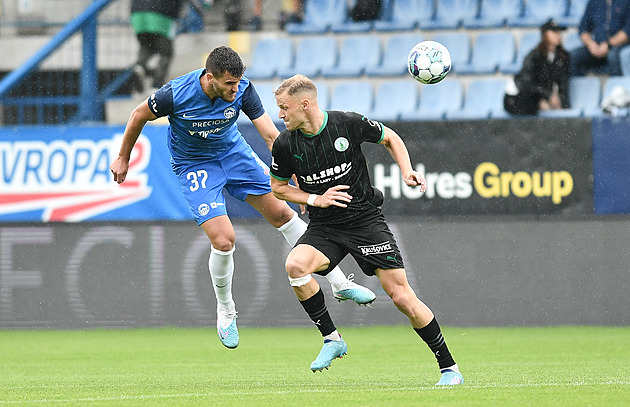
202 128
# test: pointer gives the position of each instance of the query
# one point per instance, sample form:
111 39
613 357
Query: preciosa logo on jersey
385 247
341 144
229 113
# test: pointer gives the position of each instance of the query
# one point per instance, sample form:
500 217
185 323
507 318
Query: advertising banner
62 174
480 167
473 273
520 166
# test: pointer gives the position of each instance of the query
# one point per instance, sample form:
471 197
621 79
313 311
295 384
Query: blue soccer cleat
226 328
355 292
330 351
450 378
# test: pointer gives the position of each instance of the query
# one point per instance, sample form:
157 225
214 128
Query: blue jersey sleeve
252 106
161 101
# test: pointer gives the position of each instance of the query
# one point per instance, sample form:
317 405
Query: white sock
337 279
454 368
221 266
334 336
292 230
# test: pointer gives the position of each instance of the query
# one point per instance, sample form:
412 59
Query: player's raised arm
267 129
139 117
396 147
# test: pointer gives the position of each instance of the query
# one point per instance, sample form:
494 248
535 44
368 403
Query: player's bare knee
401 300
295 269
224 245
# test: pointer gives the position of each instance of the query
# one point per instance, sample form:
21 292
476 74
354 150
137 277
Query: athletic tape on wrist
311 199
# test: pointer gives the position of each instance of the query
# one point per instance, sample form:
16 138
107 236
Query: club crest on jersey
229 112
203 209
341 144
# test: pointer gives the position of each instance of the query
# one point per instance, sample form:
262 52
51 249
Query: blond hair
297 84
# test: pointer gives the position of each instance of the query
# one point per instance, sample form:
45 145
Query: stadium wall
523 224
472 272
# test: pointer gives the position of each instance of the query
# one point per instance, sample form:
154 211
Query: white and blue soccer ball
429 62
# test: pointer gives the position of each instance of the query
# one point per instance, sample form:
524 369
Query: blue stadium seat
585 97
574 14
269 56
436 100
356 54
528 42
406 14
323 94
489 51
536 12
572 41
394 61
353 96
585 94
388 108
458 45
319 16
265 91
484 99
312 55
450 14
495 13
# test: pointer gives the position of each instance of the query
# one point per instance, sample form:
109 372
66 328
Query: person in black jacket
155 23
543 82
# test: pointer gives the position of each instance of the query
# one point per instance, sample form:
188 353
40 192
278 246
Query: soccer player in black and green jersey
323 150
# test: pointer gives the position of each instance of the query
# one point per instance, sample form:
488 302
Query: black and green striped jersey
331 157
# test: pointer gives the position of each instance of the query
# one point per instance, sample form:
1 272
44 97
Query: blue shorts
240 171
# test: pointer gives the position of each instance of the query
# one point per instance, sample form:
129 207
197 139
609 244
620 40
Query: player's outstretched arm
396 147
139 117
267 129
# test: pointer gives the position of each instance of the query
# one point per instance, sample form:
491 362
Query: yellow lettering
562 186
487 187
521 184
506 179
490 182
541 188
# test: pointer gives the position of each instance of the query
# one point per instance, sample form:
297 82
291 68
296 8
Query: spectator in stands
365 10
604 30
543 82
292 13
154 22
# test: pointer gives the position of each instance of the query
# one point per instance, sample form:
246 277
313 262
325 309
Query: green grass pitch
385 366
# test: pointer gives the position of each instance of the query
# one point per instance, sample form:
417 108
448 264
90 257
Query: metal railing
61 101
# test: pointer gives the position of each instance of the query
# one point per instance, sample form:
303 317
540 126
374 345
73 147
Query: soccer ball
429 62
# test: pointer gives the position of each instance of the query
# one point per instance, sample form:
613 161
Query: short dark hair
224 59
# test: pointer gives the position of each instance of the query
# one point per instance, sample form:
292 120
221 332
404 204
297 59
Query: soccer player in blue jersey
208 153
323 149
